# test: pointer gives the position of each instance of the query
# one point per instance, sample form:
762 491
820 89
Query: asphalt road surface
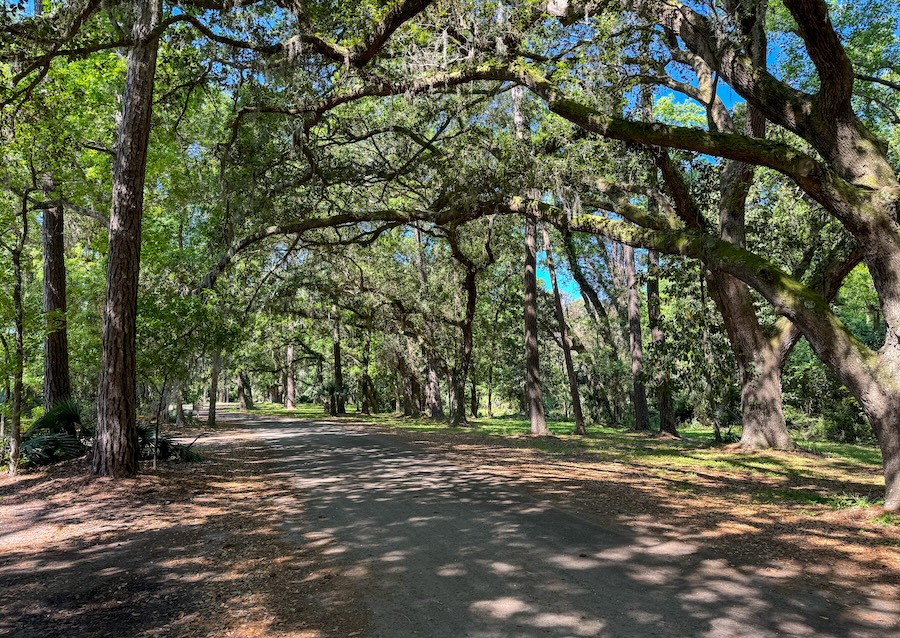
441 551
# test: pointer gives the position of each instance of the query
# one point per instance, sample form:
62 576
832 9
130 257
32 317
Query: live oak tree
852 178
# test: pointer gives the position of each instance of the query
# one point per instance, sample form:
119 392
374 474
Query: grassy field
818 473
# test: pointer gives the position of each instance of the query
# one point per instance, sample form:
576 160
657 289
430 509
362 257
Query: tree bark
564 339
635 339
464 362
115 443
242 398
245 390
434 406
57 386
214 387
339 405
533 391
289 390
759 366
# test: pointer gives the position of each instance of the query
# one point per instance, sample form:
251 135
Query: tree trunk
320 385
464 362
57 386
245 391
635 339
759 366
248 389
458 406
115 443
214 388
15 435
663 382
564 339
490 392
368 400
761 404
883 411
473 399
242 398
533 391
340 407
434 406
289 390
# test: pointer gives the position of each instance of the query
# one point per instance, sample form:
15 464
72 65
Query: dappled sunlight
455 546
197 552
292 526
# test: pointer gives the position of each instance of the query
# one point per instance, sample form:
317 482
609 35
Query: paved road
438 550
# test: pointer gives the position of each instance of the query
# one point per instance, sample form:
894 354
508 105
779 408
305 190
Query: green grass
887 519
864 455
830 475
850 501
790 495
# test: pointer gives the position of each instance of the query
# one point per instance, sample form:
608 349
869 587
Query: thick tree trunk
411 388
289 390
242 398
57 386
883 411
339 404
564 339
115 443
654 311
639 392
434 406
762 405
534 393
759 366
214 387
458 407
245 391
248 389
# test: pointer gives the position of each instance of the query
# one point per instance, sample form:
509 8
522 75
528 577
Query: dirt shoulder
188 550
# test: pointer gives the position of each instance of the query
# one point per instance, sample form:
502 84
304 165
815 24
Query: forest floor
205 549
